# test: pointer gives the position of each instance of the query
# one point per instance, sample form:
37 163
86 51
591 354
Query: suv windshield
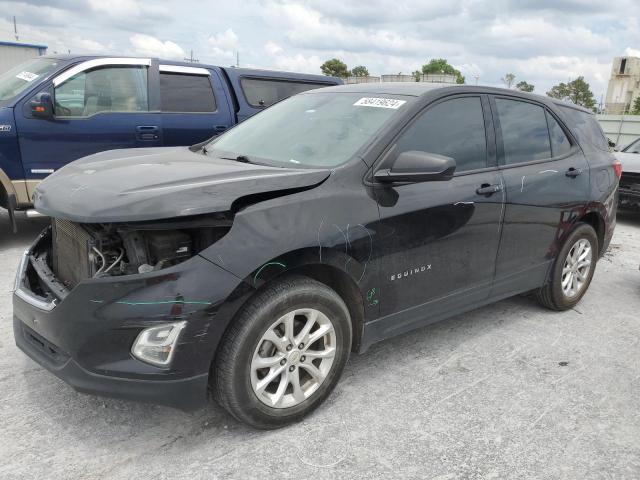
20 78
633 147
312 129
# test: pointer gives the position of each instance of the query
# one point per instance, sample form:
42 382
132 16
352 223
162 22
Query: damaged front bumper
85 336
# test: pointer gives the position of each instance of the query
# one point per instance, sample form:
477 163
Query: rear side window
454 128
262 92
186 93
559 142
525 135
587 128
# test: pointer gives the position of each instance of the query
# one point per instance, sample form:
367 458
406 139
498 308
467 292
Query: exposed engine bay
81 251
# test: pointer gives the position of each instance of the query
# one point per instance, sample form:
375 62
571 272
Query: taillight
617 168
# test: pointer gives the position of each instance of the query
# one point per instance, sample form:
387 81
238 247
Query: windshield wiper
243 159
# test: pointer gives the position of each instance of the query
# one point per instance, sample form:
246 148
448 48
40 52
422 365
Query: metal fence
620 129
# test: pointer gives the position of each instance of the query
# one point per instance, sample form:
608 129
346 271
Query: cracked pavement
507 391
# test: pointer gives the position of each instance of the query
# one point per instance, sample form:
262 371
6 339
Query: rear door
100 104
194 103
441 237
547 187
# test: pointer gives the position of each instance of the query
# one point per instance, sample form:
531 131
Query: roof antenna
15 29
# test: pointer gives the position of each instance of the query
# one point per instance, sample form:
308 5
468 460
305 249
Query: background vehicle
629 189
56 109
331 221
633 147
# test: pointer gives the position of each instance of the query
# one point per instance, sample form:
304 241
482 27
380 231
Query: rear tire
264 374
572 271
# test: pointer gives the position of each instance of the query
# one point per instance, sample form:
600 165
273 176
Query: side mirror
42 106
414 166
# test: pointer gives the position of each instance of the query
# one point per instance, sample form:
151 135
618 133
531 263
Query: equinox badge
411 271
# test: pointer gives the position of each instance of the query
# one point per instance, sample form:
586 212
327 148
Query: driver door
440 238
100 104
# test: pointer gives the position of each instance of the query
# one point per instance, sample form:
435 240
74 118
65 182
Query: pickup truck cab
56 109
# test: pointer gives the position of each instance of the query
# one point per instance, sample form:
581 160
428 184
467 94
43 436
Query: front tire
283 354
572 271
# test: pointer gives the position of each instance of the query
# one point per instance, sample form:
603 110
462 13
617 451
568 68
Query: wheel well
4 198
346 288
596 221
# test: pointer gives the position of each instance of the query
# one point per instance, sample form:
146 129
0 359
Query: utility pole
476 77
15 29
237 59
191 59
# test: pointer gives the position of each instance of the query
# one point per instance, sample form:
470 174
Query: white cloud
128 9
153 47
222 47
272 48
631 52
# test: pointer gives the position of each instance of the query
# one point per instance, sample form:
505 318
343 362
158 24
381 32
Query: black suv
252 265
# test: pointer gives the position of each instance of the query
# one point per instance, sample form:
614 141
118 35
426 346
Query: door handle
147 132
487 189
219 128
573 172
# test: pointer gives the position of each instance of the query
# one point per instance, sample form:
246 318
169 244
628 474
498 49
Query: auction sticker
27 76
379 102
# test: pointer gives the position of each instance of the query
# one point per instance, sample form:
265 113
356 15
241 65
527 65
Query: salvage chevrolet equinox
253 264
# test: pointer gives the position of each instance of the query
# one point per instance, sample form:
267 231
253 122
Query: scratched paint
279 264
158 302
371 297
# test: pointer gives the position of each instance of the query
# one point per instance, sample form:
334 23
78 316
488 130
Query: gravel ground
507 391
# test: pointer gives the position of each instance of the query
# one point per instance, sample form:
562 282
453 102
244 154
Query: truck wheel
283 354
572 271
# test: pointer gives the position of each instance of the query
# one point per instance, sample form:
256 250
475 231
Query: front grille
630 181
71 243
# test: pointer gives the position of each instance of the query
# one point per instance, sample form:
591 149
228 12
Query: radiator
71 244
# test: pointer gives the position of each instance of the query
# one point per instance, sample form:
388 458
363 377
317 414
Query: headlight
156 345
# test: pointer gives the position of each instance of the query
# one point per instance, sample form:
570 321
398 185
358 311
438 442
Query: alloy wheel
293 358
577 266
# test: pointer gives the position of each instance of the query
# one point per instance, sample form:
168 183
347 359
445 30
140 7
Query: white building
12 53
624 85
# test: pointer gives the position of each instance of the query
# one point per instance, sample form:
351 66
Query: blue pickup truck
55 109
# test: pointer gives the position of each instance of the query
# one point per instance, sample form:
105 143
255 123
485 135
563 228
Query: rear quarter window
263 92
586 128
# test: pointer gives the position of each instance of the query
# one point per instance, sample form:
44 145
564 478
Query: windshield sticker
379 102
27 76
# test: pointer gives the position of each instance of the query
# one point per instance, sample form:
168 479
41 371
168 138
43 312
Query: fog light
156 345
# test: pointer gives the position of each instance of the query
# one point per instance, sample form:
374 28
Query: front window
105 89
313 130
22 77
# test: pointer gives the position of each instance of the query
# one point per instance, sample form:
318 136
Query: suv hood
157 183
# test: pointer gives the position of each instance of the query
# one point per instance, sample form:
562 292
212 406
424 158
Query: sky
543 42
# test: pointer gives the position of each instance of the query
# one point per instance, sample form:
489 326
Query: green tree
417 75
508 79
525 87
635 109
335 68
440 65
359 71
576 91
